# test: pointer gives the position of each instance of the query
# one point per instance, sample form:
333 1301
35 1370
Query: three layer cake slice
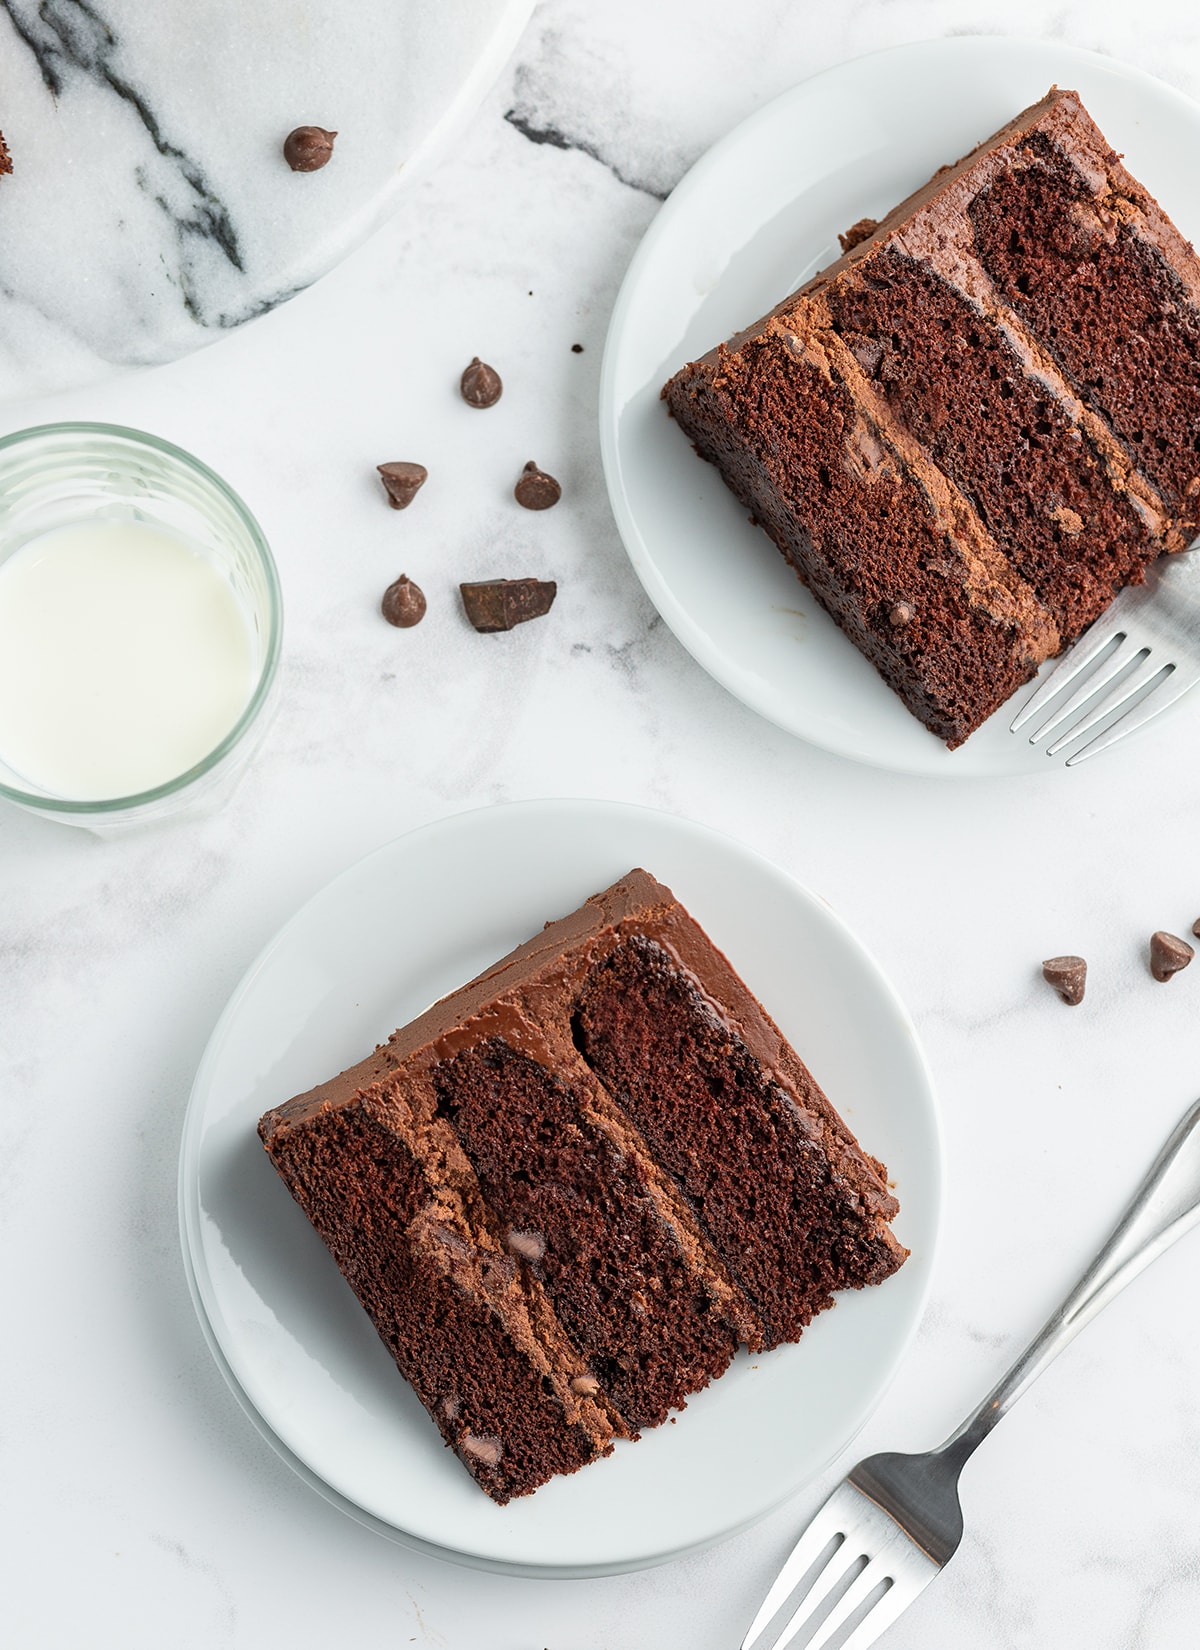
568 1191
980 423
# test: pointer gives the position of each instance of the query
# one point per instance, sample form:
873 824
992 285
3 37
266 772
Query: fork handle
1165 1206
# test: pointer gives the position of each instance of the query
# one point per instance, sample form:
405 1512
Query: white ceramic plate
412 921
753 219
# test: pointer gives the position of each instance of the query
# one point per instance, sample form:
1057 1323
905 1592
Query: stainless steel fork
896 1519
1145 650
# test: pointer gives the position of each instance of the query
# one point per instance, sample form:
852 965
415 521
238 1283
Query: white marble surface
141 1509
151 136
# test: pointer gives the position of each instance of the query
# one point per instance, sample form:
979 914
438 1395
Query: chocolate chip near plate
1168 954
576 349
480 384
900 615
403 603
1196 928
484 1449
5 157
535 490
308 148
1068 976
403 482
499 604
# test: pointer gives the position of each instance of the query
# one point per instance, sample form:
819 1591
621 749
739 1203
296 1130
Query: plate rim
728 673
200 1284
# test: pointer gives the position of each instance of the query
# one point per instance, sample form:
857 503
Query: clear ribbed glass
60 475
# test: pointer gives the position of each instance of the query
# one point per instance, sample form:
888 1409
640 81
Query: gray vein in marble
70 35
526 122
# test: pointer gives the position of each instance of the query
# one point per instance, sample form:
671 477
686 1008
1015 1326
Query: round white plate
407 924
755 218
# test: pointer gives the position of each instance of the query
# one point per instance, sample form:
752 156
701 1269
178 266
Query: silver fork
901 1513
1147 643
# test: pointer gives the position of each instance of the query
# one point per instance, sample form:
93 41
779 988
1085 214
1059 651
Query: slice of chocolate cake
567 1192
981 422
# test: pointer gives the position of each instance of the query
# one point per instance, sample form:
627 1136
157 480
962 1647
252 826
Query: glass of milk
140 626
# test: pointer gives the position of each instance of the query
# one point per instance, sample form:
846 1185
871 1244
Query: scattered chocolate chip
499 604
403 482
1196 928
860 231
486 1450
480 384
587 1386
448 1407
1168 954
1068 976
6 166
576 349
535 490
308 148
530 1246
901 614
403 603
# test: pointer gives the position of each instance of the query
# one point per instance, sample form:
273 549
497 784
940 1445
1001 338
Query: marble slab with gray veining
150 209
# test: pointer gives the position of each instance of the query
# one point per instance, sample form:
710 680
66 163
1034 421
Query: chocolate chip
535 490
448 1407
901 614
499 604
1168 954
6 166
480 384
860 231
587 1386
1068 976
576 349
530 1246
1196 928
403 482
484 1449
308 148
403 603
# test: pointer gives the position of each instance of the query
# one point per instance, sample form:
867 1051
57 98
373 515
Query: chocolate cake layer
1024 333
502 1183
762 1168
582 1217
448 1304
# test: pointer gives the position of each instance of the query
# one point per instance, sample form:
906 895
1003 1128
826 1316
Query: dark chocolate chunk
499 604
403 603
900 615
1168 954
480 384
403 482
485 1450
860 231
1068 976
535 489
576 349
530 1246
308 148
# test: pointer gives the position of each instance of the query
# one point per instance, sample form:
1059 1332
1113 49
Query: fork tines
883 1567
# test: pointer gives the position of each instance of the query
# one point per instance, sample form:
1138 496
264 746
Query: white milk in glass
125 658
